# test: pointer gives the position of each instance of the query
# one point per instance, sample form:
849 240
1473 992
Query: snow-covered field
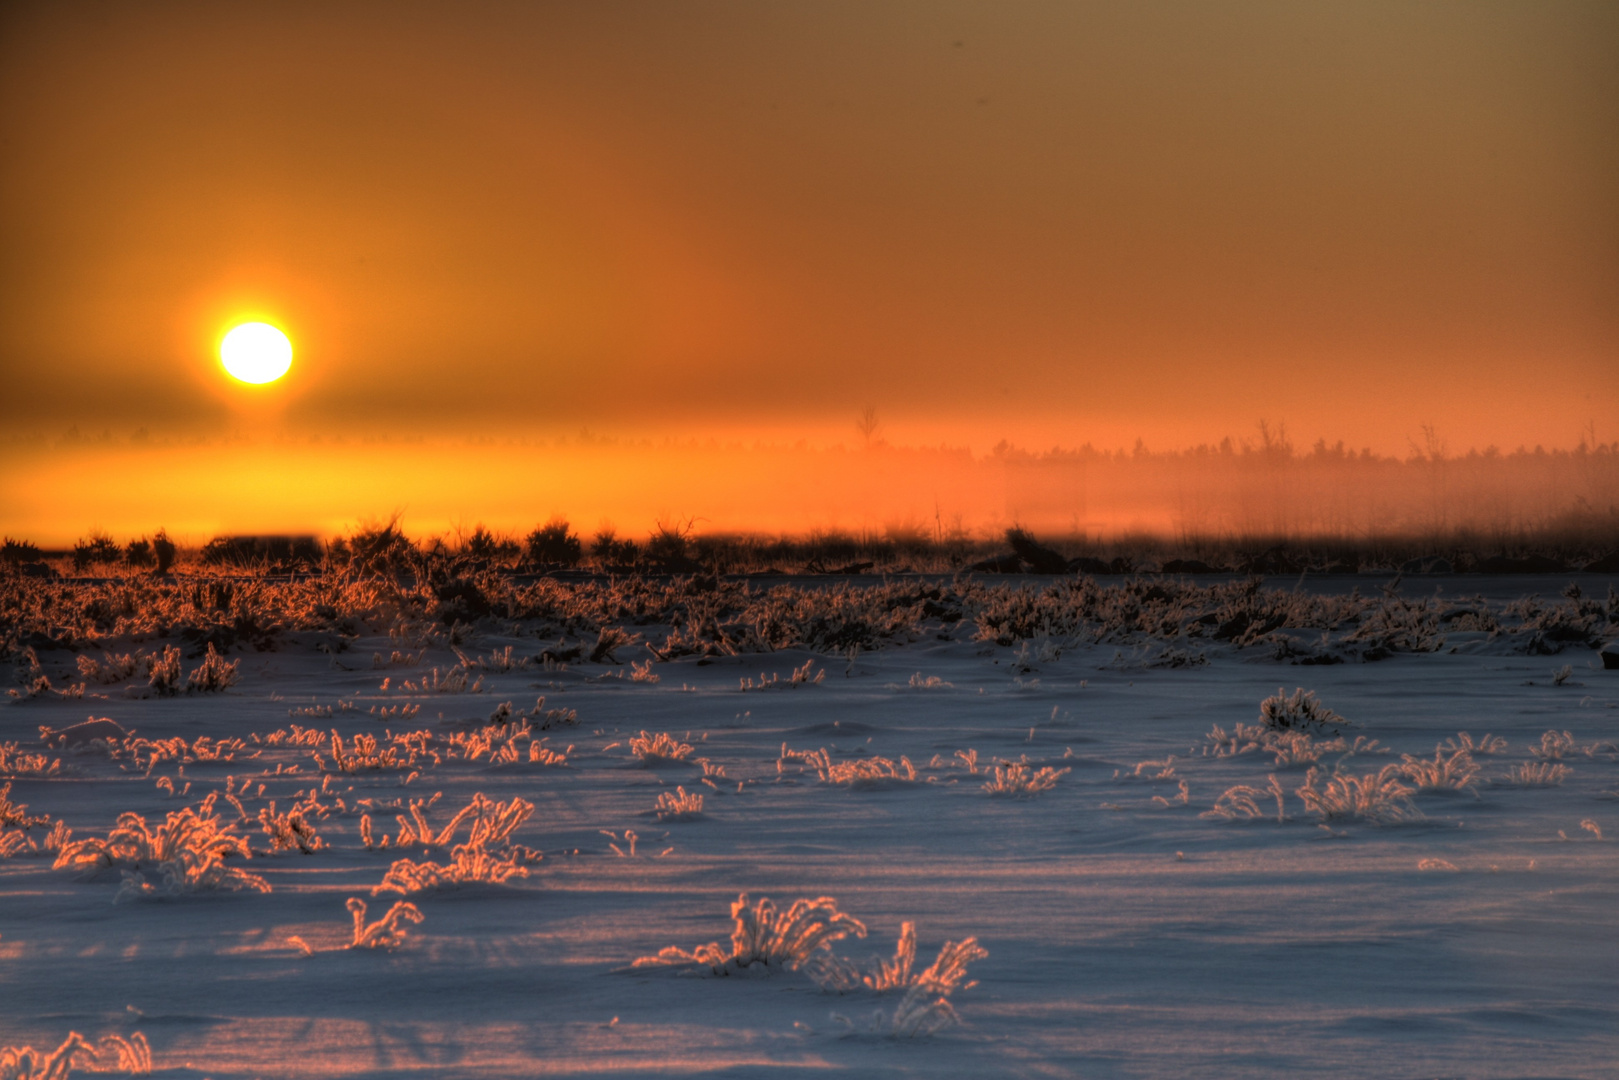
1130 932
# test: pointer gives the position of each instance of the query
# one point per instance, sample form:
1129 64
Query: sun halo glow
256 352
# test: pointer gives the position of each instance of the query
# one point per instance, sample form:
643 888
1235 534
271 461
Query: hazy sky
1053 222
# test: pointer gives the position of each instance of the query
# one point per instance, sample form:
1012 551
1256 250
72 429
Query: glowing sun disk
256 352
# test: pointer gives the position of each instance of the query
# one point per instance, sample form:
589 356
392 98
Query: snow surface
1125 938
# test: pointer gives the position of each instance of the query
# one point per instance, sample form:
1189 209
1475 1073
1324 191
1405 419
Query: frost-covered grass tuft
215 673
455 680
1241 803
925 1008
15 763
289 831
1443 774
1553 745
113 1053
1377 797
678 806
487 857
1534 774
187 853
800 677
1486 746
1154 772
1021 780
764 935
660 748
385 933
1299 710
869 772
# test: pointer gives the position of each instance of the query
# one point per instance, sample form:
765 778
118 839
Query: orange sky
1054 223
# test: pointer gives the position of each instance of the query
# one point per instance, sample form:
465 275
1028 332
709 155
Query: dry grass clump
660 748
1020 780
766 936
112 1053
1377 797
1534 774
678 806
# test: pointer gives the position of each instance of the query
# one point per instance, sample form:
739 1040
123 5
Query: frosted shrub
1299 710
111 668
289 831
643 673
678 806
385 933
1241 803
1533 774
214 675
765 936
166 672
930 682
187 852
1442 774
113 1053
659 749
1377 797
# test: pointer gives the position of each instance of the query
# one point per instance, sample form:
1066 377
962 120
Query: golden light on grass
256 352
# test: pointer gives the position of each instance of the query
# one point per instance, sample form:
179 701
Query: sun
256 352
